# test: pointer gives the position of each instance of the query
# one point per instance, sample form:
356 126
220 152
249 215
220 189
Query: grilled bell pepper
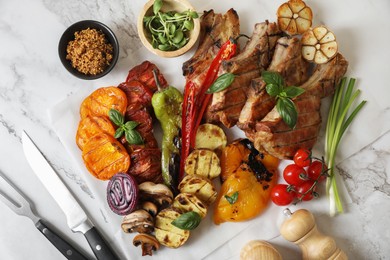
167 105
247 175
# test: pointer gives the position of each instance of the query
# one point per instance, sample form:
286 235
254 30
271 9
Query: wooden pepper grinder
301 229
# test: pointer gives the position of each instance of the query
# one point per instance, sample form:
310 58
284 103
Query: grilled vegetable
200 186
148 243
166 233
122 194
210 137
158 193
104 156
204 163
90 126
138 221
294 17
167 104
99 102
246 190
319 45
187 202
196 100
232 157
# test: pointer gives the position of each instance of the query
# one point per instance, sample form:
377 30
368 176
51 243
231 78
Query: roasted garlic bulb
319 45
294 17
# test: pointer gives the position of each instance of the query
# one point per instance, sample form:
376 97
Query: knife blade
77 219
21 206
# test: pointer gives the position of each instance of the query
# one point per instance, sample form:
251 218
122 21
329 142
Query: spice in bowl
89 53
169 31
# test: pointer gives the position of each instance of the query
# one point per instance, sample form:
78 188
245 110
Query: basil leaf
133 137
130 125
157 6
221 83
293 91
119 132
116 117
233 198
187 221
287 111
274 78
273 90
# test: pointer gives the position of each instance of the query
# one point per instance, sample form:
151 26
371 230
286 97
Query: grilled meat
139 88
216 29
226 105
287 61
276 138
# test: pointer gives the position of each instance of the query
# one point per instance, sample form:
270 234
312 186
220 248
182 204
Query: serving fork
20 205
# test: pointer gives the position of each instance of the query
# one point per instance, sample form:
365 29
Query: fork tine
7 201
23 202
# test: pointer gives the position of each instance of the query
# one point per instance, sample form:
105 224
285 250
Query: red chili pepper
187 119
195 104
227 50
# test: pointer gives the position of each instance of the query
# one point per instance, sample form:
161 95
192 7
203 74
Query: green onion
339 119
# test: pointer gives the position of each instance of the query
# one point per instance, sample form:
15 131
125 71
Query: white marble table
32 80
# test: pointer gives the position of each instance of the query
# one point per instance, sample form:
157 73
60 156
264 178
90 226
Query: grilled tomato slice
91 126
104 156
99 102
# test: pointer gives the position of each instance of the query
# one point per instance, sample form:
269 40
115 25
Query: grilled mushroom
148 243
138 221
150 207
158 193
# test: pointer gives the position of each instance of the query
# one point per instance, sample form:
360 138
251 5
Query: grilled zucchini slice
186 202
200 186
166 233
209 136
204 163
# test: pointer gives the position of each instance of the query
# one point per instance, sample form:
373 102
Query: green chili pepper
167 105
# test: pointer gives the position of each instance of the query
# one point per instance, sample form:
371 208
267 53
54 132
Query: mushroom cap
155 189
148 243
138 221
158 193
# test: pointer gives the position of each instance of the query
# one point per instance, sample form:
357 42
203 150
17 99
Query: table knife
20 205
77 219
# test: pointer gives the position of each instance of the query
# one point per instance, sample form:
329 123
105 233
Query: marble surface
32 80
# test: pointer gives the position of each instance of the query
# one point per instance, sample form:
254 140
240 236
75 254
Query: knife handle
99 247
64 247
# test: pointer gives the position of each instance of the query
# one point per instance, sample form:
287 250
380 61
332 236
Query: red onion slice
122 194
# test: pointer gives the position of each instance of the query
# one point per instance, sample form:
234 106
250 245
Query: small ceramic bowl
68 36
168 5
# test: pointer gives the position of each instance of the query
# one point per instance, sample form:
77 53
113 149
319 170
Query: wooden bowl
168 5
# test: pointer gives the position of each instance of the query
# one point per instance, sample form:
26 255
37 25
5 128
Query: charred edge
258 168
174 168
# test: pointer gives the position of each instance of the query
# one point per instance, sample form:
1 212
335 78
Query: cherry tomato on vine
316 168
303 188
302 157
281 196
294 175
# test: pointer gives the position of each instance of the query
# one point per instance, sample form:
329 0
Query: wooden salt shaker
259 250
301 229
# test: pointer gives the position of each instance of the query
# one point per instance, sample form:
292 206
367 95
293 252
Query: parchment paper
207 238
